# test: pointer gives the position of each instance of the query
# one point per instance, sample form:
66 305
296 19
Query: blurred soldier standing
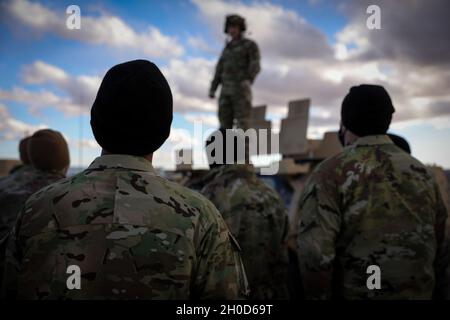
18 177
444 188
372 204
39 170
133 234
255 214
236 70
23 154
439 176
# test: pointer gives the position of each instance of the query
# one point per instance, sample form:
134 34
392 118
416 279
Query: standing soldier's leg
225 112
242 105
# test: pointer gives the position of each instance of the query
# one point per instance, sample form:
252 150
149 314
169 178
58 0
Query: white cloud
41 72
438 123
36 100
106 29
324 77
280 32
79 91
199 43
189 80
415 33
14 129
297 62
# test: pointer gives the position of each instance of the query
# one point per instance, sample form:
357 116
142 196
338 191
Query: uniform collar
24 168
235 42
121 161
373 140
49 173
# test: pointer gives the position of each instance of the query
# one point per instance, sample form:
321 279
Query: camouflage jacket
256 215
372 204
15 190
16 177
133 234
240 61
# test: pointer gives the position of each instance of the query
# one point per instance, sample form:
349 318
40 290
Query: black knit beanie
367 110
132 112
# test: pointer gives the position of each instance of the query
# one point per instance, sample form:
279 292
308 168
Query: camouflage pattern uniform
236 70
133 235
256 215
372 204
16 177
15 190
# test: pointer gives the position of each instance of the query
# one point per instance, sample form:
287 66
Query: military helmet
236 20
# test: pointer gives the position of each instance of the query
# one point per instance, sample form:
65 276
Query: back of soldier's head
23 150
48 151
400 142
225 146
367 110
132 112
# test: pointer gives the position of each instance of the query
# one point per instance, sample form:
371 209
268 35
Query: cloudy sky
49 74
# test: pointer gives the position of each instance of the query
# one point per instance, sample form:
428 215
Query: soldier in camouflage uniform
439 176
18 178
236 70
257 217
38 171
133 234
16 189
30 177
372 204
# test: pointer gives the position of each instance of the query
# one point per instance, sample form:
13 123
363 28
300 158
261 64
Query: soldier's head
48 151
23 150
400 142
366 110
132 112
234 25
225 146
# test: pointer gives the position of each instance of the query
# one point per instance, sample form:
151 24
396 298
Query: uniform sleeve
220 273
441 263
217 76
319 226
254 66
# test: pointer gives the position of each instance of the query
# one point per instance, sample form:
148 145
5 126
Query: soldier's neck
350 137
148 157
236 38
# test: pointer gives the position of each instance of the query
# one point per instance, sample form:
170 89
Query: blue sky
315 49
